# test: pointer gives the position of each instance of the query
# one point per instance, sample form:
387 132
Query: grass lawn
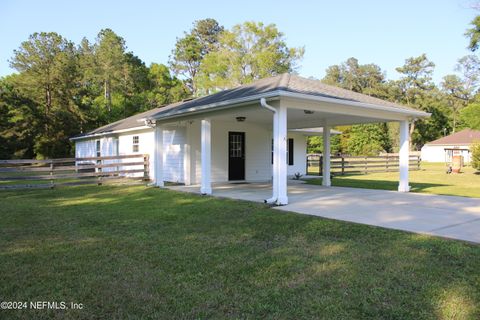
430 179
145 253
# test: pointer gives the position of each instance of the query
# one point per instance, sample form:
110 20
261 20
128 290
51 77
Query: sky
373 31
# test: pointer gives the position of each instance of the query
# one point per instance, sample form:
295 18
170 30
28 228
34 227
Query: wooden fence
341 165
73 171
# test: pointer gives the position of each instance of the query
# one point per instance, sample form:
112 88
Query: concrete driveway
446 216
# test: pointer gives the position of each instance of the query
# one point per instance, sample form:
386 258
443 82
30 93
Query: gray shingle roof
284 82
464 137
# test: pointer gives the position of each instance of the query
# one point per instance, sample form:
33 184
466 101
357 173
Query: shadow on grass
186 256
345 181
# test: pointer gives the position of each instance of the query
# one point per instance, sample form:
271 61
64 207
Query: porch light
240 119
308 111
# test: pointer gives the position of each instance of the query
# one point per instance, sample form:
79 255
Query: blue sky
381 32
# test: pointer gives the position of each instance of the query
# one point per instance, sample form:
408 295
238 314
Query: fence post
146 167
52 183
386 162
366 165
320 166
343 165
99 179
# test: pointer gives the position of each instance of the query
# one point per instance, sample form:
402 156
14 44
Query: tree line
61 89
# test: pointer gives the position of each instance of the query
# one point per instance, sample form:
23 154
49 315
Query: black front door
236 156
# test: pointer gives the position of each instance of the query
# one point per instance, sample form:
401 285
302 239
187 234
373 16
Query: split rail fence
49 173
342 165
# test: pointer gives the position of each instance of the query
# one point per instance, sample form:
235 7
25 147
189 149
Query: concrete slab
447 216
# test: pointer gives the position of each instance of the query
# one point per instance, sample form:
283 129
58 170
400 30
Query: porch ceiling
300 116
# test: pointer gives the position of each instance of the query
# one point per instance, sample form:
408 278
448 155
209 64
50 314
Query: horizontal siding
299 155
146 146
174 140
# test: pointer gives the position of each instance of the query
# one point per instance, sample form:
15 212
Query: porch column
326 157
206 154
281 155
404 156
275 162
158 149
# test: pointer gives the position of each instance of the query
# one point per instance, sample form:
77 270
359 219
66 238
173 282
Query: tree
470 116
19 122
469 68
248 52
368 140
315 144
190 50
164 88
368 78
456 95
414 85
110 63
474 34
475 149
47 64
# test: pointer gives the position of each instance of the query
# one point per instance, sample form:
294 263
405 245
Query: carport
281 104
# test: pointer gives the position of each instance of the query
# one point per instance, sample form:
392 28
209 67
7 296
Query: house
445 148
254 132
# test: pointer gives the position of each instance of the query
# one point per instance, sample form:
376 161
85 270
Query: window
135 144
289 153
99 154
236 146
97 148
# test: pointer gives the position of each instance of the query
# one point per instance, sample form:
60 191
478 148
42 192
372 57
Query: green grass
430 179
145 253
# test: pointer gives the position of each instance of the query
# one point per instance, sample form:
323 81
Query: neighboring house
255 132
445 148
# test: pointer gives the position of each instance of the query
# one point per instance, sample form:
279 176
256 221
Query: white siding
85 148
299 155
182 151
258 144
145 146
174 148
88 148
436 153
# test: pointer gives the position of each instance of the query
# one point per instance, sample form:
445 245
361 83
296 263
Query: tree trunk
48 107
107 95
454 120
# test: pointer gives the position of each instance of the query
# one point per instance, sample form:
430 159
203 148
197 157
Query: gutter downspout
273 199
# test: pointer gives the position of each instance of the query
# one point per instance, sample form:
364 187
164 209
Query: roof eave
101 134
283 93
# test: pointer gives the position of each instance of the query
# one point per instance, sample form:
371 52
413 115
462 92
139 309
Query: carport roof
276 86
282 85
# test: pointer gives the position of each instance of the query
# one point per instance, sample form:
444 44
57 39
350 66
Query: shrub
475 149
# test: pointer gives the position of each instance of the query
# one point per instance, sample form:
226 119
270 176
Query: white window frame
135 144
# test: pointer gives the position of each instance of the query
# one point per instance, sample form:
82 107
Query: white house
254 132
445 148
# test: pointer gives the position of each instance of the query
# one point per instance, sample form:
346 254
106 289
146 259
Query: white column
281 157
326 157
404 156
206 154
186 157
275 162
158 148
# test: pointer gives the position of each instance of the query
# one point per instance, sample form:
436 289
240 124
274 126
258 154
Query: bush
475 149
